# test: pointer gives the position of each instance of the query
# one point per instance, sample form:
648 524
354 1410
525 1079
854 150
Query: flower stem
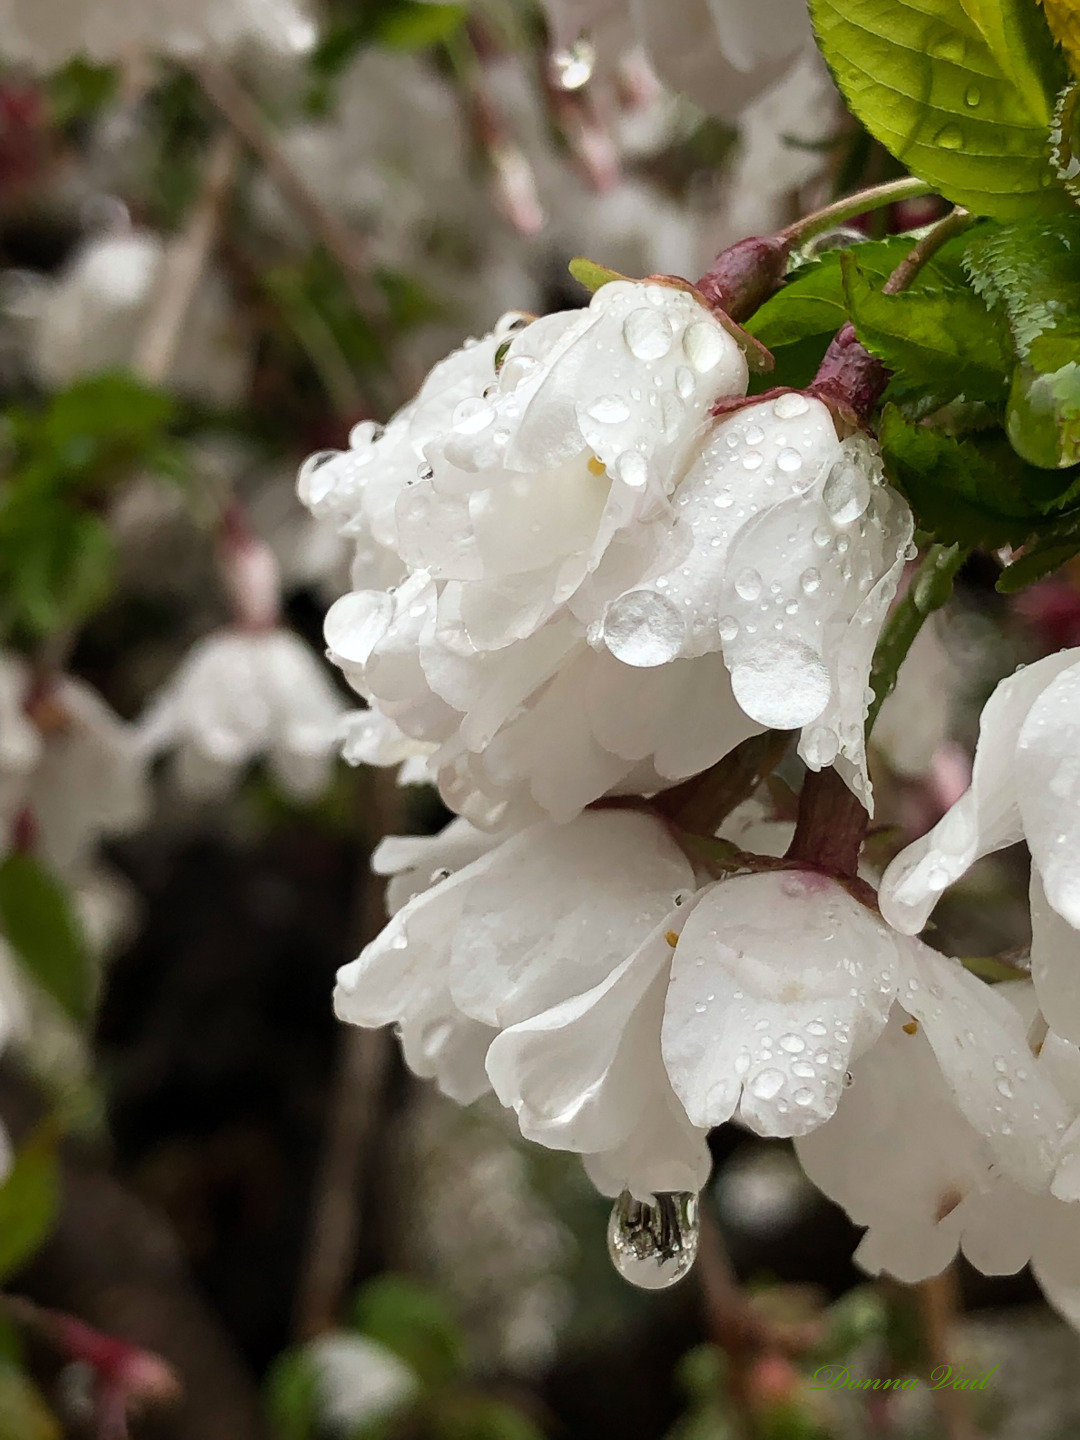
929 590
958 219
877 197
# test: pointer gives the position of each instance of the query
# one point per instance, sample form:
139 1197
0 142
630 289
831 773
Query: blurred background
231 230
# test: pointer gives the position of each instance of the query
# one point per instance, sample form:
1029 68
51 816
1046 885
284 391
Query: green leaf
1050 550
941 342
24 1415
973 492
481 1417
413 1323
1030 273
961 93
1065 138
590 274
40 925
410 25
29 1199
292 1396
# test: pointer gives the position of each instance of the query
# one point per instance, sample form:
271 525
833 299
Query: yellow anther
911 1027
672 938
596 466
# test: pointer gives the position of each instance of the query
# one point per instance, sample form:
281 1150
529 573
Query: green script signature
945 1377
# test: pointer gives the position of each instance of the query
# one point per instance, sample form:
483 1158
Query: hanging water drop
653 1246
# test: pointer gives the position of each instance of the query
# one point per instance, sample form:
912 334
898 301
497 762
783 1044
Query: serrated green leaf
941 343
1030 272
961 93
29 1199
590 274
965 492
24 1415
41 928
1057 543
1065 140
1063 18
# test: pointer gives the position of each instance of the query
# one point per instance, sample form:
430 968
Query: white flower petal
981 1046
558 908
778 979
985 818
1055 964
1048 787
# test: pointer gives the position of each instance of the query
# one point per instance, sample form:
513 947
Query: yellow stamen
911 1027
596 466
672 938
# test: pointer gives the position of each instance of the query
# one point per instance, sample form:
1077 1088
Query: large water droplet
846 492
781 683
748 584
950 137
790 405
653 1246
609 409
632 469
472 416
767 1084
648 334
643 629
704 346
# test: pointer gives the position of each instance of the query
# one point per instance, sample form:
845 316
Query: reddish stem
743 277
830 827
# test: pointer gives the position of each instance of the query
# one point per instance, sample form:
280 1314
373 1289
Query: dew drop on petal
632 469
704 346
643 629
729 627
653 1245
748 584
767 1084
789 461
609 409
684 382
790 406
781 683
648 334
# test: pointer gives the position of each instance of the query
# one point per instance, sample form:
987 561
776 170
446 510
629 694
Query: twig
239 111
957 220
939 1304
875 198
185 263
358 1085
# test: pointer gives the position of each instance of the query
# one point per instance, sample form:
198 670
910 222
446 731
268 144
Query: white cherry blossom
1025 786
90 319
785 552
241 694
926 1190
47 35
72 764
497 513
622 1009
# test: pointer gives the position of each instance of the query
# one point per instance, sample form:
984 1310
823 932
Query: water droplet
846 492
849 1079
950 137
748 584
816 1027
573 67
972 96
399 942
609 409
821 537
441 874
684 382
704 346
792 1043
803 1096
632 469
472 415
789 461
425 472
653 1246
767 1084
729 627
648 334
790 406
1004 1088
752 460
722 500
